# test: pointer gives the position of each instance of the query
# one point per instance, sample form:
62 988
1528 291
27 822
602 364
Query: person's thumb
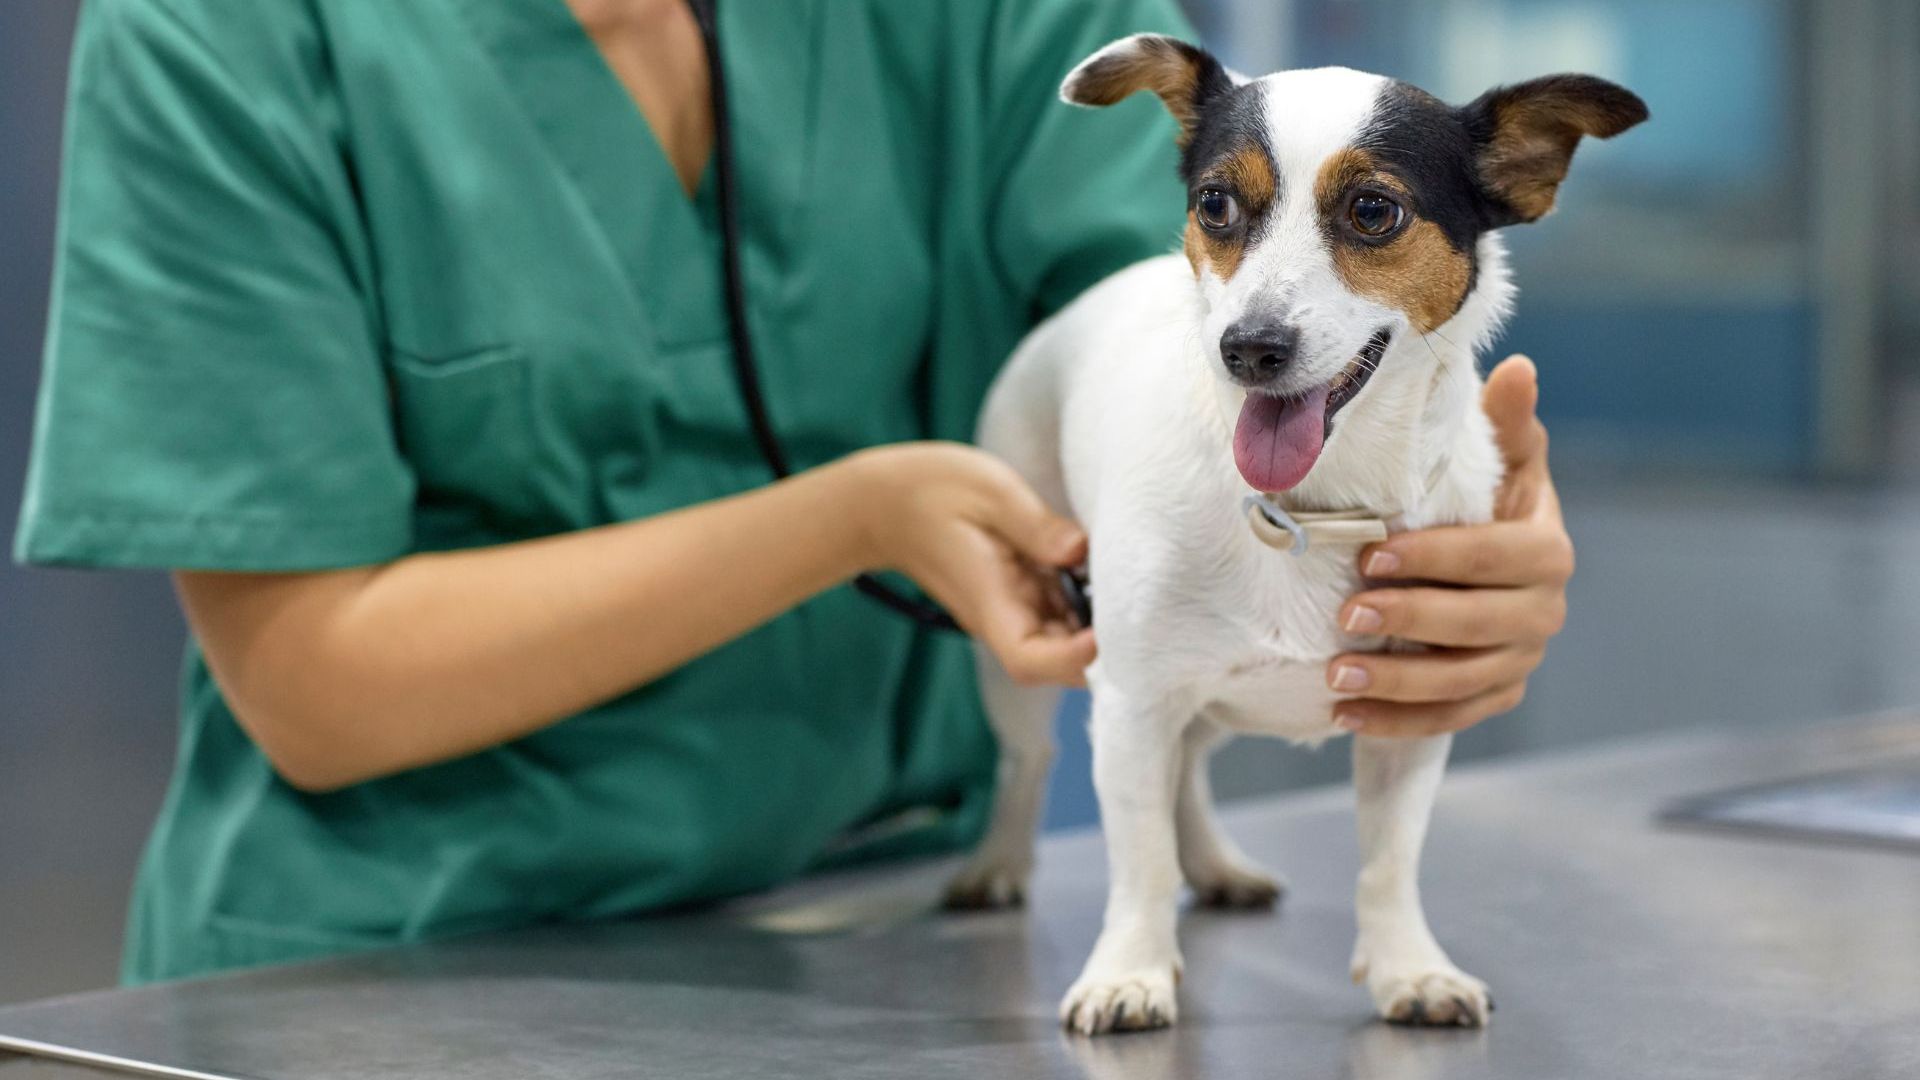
1511 393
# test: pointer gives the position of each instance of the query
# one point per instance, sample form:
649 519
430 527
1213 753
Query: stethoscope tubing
746 368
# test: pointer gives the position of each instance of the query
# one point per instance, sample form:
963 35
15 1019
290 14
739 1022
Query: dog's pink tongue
1277 440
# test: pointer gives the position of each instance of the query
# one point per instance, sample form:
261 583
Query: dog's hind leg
1022 718
1396 956
1218 872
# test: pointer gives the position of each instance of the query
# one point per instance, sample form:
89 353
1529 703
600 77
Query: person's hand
1490 595
971 532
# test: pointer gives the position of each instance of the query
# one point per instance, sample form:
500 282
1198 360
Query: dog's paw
1131 1001
1235 885
986 886
1435 994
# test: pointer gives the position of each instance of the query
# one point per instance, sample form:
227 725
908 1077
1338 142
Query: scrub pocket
465 426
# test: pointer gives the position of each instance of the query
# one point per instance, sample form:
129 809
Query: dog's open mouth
1355 375
1278 439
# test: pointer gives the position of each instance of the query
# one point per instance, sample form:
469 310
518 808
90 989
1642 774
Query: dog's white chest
1274 631
1265 692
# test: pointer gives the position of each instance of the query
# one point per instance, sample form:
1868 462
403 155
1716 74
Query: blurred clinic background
1726 313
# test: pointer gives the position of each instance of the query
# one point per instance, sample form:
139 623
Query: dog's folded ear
1524 137
1184 76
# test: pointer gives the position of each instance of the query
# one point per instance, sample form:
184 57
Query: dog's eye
1375 215
1216 209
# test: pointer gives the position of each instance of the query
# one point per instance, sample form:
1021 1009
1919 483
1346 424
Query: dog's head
1329 211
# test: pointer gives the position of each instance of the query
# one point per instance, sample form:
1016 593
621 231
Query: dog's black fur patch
1230 121
1427 144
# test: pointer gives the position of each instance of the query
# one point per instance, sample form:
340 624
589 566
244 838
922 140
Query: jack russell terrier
1231 426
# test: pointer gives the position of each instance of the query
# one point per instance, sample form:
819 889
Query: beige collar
1300 531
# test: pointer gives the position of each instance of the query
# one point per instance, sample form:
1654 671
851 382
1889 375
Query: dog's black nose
1257 352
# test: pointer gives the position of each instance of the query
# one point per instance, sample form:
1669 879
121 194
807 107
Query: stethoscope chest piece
1078 592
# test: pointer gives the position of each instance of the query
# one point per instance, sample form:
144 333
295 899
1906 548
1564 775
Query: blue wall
1683 385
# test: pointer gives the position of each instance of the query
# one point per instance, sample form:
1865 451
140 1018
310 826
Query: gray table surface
1618 948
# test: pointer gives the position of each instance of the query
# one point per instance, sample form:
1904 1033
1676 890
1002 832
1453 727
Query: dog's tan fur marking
1212 251
1248 174
1171 69
1418 271
1338 175
1192 246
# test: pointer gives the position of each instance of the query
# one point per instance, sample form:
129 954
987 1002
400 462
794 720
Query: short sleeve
1079 193
213 394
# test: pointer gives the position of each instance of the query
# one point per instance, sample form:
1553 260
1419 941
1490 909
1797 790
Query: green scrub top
344 280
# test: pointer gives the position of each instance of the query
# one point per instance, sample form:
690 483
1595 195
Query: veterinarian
397 333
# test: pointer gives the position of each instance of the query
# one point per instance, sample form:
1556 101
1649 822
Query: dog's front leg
1128 982
1404 968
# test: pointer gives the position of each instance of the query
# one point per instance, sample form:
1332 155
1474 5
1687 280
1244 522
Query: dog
1301 377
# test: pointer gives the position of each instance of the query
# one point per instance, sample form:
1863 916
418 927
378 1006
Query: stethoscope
746 369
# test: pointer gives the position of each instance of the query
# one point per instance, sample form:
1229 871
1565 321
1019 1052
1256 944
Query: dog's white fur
1118 411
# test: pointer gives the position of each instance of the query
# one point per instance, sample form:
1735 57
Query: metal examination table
1618 948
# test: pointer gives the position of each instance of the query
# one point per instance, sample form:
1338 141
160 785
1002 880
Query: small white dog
1314 349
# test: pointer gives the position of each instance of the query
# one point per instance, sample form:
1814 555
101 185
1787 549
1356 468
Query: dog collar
1300 531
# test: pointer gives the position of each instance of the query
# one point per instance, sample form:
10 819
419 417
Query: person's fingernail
1346 722
1349 677
1382 563
1362 620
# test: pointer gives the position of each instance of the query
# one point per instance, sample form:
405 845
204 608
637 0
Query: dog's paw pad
1237 888
1441 998
1133 1002
985 889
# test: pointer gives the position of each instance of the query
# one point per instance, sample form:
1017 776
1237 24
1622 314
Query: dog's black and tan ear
1524 136
1184 76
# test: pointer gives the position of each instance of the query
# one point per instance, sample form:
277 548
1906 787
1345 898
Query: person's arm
1492 595
347 675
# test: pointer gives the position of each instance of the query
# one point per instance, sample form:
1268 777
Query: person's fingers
1433 677
1511 401
1020 515
1049 656
1512 553
1510 397
1459 618
1002 605
1388 719
1501 553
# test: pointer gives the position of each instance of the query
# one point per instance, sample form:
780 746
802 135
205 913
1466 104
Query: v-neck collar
667 244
